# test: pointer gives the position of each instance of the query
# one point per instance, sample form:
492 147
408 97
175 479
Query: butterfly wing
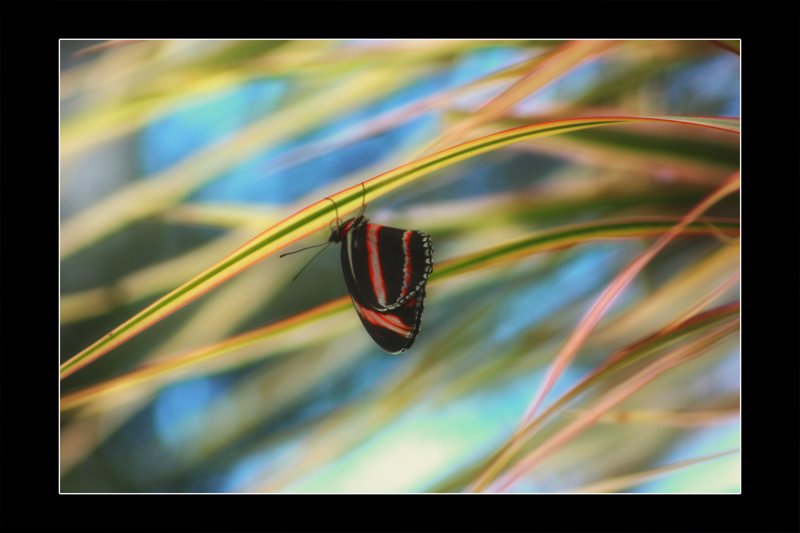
394 330
385 270
389 265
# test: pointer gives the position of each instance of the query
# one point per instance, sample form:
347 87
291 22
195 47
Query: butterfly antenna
326 244
304 249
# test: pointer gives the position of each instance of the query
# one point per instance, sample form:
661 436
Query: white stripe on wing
375 274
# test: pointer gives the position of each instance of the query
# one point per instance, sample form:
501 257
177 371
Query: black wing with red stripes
385 270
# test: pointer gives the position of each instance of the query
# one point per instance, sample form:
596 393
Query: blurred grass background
174 153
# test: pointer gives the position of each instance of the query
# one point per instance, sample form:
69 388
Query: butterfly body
385 270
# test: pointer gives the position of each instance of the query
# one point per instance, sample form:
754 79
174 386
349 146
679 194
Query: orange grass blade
322 213
540 242
147 197
105 45
553 65
587 325
615 484
393 118
715 293
610 294
176 366
611 399
617 360
681 419
680 295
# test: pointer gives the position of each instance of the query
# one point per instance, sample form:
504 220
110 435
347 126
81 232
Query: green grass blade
323 213
174 368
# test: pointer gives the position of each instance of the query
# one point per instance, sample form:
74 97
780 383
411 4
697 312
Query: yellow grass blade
323 213
175 367
620 483
553 65
605 300
153 194
614 397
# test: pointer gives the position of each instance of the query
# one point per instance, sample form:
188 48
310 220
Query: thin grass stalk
394 117
555 64
611 399
622 358
155 193
617 360
681 419
707 299
615 288
322 213
345 428
672 299
539 242
593 317
620 483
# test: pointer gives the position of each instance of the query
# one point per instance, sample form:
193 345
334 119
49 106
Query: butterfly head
338 233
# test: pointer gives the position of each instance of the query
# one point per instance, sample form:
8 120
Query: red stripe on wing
383 320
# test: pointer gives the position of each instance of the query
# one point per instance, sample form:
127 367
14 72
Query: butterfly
385 270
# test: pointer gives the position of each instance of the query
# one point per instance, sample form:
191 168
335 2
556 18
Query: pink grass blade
392 118
612 292
322 213
618 358
590 320
610 400
618 483
172 368
709 298
678 419
555 64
